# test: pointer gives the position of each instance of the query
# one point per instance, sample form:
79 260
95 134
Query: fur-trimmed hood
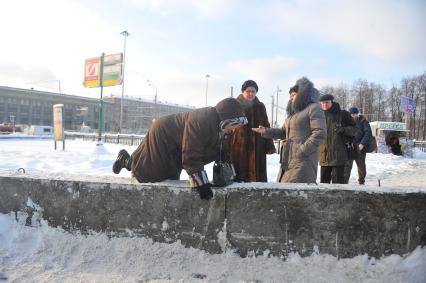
362 118
306 95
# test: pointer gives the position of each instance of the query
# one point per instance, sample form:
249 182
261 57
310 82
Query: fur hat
229 108
249 83
326 97
353 110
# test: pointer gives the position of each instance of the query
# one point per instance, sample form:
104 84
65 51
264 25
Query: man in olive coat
182 141
303 131
248 149
340 129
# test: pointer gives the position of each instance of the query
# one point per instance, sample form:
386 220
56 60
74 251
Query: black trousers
333 174
362 168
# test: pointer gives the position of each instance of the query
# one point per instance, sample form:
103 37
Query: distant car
10 128
86 129
38 130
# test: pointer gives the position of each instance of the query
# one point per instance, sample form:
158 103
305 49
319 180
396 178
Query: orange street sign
92 72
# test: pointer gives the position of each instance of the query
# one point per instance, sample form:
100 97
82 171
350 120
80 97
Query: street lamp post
276 109
154 87
12 120
125 34
207 86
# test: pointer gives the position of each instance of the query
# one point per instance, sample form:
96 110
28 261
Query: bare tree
378 104
328 89
342 95
394 103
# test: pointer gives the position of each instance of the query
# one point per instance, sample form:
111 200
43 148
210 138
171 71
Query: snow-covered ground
44 254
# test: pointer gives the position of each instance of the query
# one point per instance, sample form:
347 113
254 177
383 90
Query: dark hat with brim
326 97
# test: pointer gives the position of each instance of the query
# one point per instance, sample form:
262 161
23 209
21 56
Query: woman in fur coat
248 149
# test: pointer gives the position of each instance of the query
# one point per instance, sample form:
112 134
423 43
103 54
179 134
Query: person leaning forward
304 130
187 141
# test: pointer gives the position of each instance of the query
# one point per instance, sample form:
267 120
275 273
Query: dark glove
205 191
339 130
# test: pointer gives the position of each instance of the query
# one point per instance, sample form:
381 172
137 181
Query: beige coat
303 132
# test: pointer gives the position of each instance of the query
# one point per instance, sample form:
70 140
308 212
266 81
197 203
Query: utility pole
272 111
155 98
207 86
232 91
276 108
124 33
101 101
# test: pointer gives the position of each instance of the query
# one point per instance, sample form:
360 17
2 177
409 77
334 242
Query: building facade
31 107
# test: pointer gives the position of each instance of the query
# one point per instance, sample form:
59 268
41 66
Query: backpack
372 146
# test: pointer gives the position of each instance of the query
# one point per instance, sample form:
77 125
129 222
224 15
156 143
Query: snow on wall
278 220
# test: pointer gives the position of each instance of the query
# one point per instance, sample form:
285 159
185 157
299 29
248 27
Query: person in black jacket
362 140
340 128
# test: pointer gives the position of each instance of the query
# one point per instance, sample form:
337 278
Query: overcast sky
176 43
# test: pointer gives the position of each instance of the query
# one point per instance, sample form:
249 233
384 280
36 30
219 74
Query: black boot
123 161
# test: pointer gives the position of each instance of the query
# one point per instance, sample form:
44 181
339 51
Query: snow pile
39 253
84 158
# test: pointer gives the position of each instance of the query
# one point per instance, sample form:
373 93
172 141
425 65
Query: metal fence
106 138
420 145
124 139
136 139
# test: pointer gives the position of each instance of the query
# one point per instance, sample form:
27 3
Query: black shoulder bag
351 148
223 169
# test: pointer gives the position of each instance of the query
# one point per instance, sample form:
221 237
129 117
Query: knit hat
229 108
353 110
249 83
326 97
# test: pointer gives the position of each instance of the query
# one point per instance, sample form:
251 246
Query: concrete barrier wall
277 220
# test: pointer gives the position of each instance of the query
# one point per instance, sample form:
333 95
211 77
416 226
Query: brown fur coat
248 149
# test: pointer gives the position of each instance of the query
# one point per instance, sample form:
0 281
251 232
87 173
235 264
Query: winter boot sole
121 161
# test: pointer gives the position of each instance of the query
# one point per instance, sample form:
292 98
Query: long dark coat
333 151
180 141
248 149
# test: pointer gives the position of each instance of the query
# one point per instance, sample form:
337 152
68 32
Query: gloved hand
339 130
205 191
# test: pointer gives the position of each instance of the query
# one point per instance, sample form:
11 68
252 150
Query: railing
106 138
277 144
420 145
